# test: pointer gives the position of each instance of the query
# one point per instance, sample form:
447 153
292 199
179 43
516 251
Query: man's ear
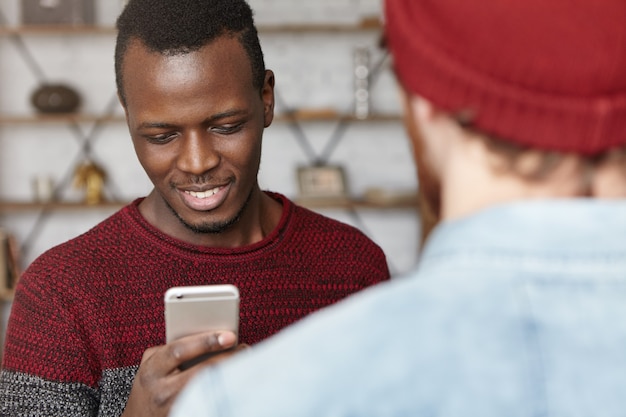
267 95
417 111
423 110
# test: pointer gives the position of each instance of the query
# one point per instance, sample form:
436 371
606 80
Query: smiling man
196 120
86 334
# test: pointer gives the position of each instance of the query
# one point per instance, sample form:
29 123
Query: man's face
196 122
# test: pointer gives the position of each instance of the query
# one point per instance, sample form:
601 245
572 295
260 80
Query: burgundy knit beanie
550 74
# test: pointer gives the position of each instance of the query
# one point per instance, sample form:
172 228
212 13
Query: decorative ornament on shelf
9 263
55 98
43 187
361 83
58 12
91 177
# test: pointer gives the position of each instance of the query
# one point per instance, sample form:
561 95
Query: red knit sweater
85 311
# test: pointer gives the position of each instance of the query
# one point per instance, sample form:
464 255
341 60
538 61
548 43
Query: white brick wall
322 11
313 70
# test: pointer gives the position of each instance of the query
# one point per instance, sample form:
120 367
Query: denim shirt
519 310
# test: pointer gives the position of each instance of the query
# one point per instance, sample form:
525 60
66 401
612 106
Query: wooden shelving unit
292 117
406 202
368 24
300 116
22 206
56 30
33 119
356 203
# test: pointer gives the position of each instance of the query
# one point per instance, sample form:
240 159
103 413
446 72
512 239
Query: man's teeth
203 194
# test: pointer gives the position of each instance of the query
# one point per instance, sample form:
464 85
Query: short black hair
175 27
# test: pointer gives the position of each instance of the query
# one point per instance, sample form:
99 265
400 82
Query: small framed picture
324 181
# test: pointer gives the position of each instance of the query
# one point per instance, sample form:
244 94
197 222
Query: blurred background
337 144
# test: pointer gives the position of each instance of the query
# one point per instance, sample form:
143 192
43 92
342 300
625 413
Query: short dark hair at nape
175 27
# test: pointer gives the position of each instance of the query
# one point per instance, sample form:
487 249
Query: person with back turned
516 111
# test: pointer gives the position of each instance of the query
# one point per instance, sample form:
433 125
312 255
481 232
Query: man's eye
160 139
227 129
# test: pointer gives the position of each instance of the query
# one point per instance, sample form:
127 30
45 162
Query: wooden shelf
372 23
313 203
57 30
16 206
72 118
304 116
408 202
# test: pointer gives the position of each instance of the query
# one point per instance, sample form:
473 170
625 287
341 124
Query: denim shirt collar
563 225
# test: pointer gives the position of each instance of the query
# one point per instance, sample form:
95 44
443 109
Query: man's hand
160 378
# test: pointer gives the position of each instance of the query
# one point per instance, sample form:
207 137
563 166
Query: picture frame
322 181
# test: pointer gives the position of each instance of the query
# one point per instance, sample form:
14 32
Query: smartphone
196 309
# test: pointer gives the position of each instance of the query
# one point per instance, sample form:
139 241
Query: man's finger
190 347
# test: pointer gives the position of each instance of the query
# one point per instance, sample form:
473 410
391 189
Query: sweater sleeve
24 395
47 363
